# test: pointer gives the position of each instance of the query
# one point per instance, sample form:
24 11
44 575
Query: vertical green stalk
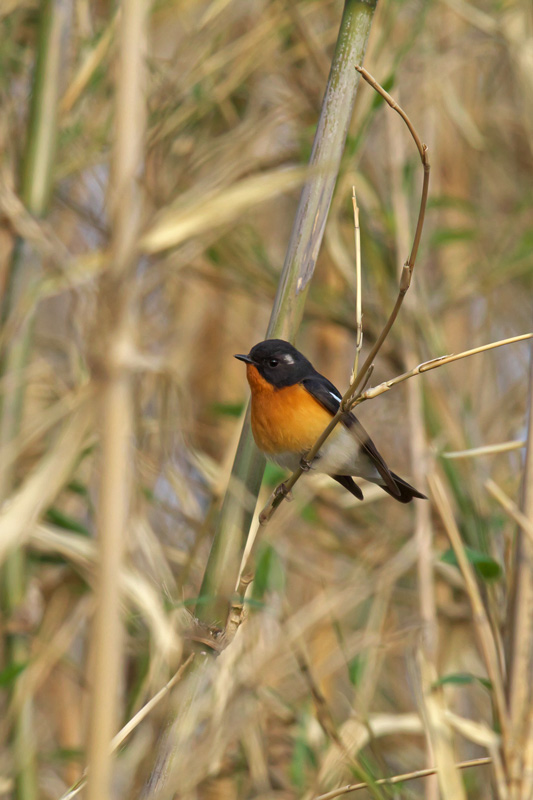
36 185
237 510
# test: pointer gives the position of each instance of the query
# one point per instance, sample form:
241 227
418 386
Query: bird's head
278 362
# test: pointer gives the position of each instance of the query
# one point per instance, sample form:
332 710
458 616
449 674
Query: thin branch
486 450
433 364
510 507
423 151
358 288
407 776
405 280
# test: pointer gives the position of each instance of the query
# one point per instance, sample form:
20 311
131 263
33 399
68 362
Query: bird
292 404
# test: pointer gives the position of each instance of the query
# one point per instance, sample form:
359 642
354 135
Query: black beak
246 359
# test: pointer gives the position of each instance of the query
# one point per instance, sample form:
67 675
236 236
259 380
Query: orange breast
287 419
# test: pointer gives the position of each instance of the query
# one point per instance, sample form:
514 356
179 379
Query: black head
278 362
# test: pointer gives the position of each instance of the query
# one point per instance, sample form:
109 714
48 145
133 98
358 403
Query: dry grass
364 653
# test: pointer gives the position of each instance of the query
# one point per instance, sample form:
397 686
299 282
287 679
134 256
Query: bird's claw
305 465
283 491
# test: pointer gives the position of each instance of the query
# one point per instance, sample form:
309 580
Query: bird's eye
273 362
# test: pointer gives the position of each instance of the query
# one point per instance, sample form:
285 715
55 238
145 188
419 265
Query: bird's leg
305 465
279 491
283 491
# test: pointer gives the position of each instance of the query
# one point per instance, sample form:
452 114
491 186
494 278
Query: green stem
35 191
237 510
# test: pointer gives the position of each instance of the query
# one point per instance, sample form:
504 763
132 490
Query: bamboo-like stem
113 345
42 138
235 519
35 191
521 625
36 187
407 776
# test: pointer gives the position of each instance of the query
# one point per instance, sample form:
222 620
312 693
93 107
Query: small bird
292 404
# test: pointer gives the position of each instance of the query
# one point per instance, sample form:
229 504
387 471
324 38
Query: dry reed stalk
220 696
43 484
114 344
485 450
92 61
370 673
510 507
355 733
136 588
358 288
439 731
132 724
480 620
203 214
482 735
417 444
521 636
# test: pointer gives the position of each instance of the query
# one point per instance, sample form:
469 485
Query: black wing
323 391
329 397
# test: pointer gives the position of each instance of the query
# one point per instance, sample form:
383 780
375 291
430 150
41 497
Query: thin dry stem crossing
434 363
407 776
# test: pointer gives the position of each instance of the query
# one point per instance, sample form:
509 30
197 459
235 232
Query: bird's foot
282 491
305 465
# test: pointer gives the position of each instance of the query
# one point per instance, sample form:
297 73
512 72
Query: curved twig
405 280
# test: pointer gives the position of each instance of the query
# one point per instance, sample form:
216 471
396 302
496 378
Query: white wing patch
335 396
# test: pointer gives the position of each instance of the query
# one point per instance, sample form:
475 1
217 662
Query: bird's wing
330 398
323 390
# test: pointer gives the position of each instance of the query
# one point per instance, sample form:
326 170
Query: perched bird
292 404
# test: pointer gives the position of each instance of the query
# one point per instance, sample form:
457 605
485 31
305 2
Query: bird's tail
407 492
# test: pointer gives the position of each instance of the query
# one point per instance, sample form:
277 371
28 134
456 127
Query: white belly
340 455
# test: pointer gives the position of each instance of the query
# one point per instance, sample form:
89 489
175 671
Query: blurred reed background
366 650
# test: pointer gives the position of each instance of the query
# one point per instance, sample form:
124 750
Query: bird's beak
246 359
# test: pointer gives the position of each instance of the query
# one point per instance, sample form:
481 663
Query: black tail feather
407 492
350 484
